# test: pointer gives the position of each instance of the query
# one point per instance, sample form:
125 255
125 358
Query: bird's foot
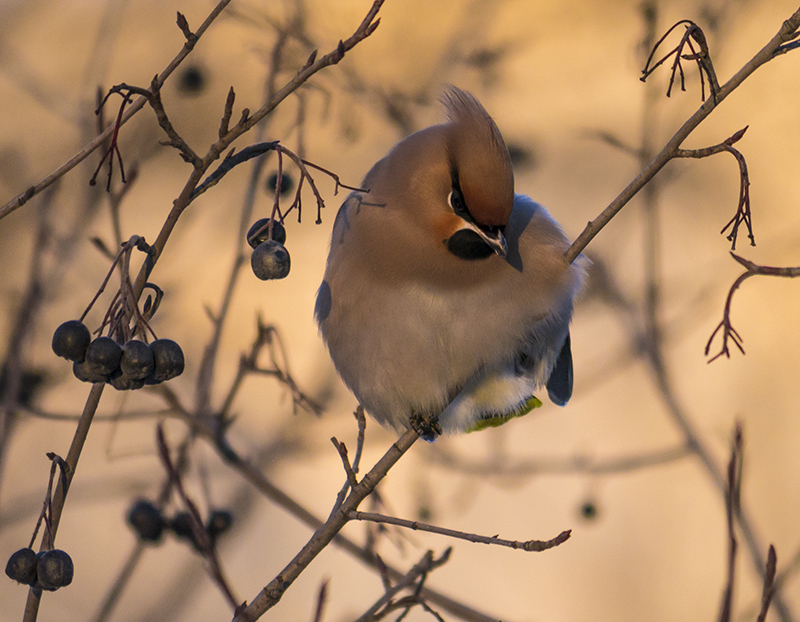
428 429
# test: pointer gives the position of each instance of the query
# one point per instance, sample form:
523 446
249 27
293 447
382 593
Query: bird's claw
428 429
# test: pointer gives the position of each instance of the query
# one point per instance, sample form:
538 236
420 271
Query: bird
446 300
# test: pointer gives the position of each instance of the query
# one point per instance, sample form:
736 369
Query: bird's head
481 179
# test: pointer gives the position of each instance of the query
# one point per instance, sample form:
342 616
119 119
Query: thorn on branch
694 39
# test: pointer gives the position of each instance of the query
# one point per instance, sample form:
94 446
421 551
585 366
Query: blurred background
617 465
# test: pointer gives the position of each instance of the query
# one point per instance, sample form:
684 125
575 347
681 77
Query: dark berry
287 183
192 80
270 260
137 360
168 361
71 340
589 510
123 382
104 354
146 520
254 238
86 372
21 566
181 525
54 570
219 521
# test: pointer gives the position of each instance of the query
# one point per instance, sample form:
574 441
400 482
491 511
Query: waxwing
445 293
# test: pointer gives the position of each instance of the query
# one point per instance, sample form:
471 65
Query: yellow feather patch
498 420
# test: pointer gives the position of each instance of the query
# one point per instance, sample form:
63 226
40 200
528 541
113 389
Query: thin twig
769 584
135 107
742 214
422 568
528 545
201 537
729 333
732 504
60 495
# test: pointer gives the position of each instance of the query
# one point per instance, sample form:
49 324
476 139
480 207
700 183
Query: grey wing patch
323 306
559 385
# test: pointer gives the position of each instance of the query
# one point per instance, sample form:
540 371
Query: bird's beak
494 239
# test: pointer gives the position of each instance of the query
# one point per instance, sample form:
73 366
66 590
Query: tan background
656 550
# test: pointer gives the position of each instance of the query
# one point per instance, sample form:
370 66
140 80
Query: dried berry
123 382
87 372
71 340
137 360
21 566
146 520
104 354
168 361
254 238
270 260
54 570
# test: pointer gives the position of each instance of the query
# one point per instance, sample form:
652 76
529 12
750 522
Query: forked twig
202 538
693 35
743 213
728 331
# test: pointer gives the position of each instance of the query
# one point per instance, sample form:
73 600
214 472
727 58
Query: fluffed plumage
444 291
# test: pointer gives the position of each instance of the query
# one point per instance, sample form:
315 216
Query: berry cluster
149 523
125 367
270 259
47 570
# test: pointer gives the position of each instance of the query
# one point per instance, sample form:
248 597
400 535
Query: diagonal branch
135 107
774 47
272 593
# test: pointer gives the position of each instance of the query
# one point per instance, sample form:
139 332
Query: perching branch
272 593
775 47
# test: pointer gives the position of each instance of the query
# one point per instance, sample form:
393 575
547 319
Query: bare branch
743 214
786 33
135 107
732 505
728 331
701 56
420 570
528 545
